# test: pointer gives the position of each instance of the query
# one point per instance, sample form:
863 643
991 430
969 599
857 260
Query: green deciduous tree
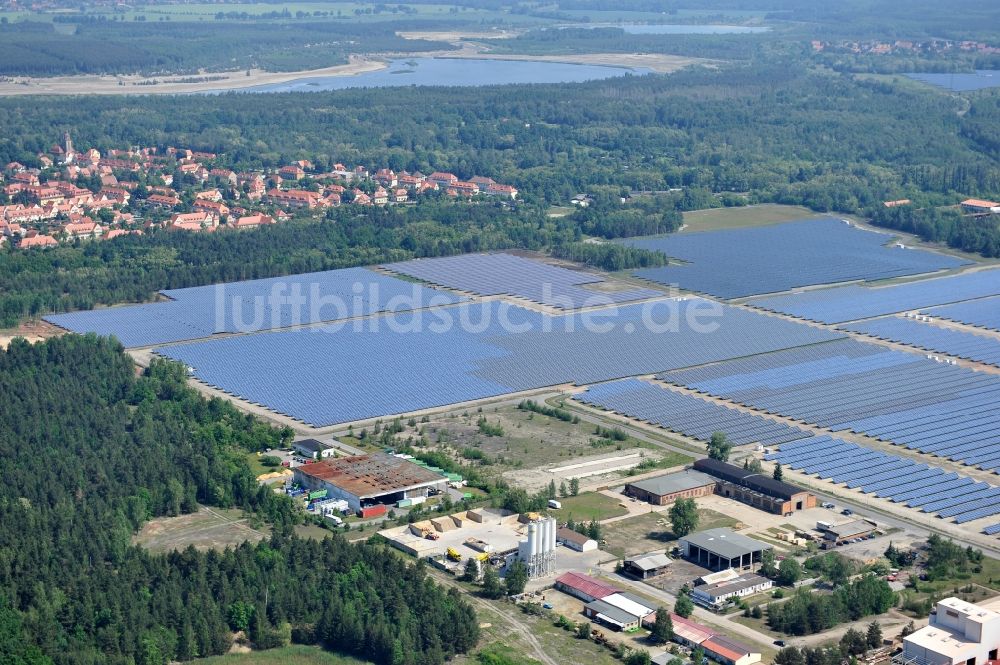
663 628
683 607
683 517
789 572
516 578
719 447
492 586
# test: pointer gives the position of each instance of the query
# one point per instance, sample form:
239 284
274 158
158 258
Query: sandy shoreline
170 85
661 64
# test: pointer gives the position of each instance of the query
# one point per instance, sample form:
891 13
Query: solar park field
768 259
430 333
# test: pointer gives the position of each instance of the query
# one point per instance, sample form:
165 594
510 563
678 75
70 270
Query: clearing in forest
209 528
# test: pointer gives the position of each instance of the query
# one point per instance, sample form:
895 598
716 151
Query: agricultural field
651 532
764 214
209 528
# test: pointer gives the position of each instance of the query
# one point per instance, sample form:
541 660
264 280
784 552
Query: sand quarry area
130 85
135 84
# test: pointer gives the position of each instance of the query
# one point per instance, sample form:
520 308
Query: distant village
82 194
930 46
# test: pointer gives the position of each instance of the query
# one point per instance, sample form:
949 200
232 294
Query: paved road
700 614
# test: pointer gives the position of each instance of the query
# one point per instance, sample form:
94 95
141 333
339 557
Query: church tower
69 155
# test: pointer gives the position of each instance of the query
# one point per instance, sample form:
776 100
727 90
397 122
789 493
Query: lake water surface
962 82
456 72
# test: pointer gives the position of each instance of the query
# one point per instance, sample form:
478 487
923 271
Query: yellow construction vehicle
454 554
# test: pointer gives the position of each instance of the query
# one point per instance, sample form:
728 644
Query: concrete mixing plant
538 552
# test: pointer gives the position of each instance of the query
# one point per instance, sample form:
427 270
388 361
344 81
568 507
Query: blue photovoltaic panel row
250 306
686 414
847 385
931 338
506 274
932 490
850 303
769 259
983 313
992 529
332 374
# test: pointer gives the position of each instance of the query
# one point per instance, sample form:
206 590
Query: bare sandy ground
6 339
663 64
453 36
32 331
109 85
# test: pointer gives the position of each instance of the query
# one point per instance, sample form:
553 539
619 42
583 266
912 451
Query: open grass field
651 532
717 219
529 440
559 644
209 528
293 655
590 506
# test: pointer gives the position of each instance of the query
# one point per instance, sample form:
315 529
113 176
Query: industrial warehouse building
756 489
717 647
365 480
621 611
842 533
313 449
717 595
959 633
644 567
718 549
668 488
575 541
584 587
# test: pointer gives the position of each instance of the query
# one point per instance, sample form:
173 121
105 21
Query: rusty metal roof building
369 476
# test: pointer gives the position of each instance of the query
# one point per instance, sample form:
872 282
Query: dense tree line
550 41
979 235
92 451
151 47
609 256
807 613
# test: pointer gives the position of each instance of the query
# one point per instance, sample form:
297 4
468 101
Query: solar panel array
767 259
506 274
983 313
931 489
686 414
956 343
850 303
331 374
846 385
260 304
992 529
